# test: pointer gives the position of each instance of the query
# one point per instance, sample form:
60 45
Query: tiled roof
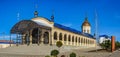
72 30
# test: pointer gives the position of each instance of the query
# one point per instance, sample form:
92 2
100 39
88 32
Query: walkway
42 50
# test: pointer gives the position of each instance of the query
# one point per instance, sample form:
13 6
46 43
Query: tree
59 44
117 45
106 45
54 53
72 55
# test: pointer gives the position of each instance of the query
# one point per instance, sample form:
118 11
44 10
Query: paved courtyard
41 51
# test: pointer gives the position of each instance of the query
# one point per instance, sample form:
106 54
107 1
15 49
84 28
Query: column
78 41
30 34
67 39
51 37
63 39
23 38
88 42
71 40
38 41
42 37
57 36
74 41
84 42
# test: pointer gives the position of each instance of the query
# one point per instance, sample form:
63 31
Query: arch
79 40
76 39
36 35
72 38
55 35
87 31
60 36
69 38
46 38
27 39
65 37
84 40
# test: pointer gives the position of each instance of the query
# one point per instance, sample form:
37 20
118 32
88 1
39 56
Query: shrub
54 52
72 55
59 44
47 56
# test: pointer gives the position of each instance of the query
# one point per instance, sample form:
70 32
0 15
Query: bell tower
86 27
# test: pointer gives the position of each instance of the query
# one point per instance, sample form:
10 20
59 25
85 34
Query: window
69 38
65 37
87 31
73 39
79 39
55 35
60 36
76 39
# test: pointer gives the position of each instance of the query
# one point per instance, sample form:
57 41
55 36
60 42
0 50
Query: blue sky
67 12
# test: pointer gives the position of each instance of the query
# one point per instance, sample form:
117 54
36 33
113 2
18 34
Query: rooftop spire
86 16
35 14
18 16
52 16
36 8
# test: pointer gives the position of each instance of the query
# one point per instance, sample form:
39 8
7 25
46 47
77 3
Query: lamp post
96 28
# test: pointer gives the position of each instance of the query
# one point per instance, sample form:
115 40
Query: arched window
79 39
72 38
65 37
60 36
76 39
87 31
55 35
84 40
46 37
69 38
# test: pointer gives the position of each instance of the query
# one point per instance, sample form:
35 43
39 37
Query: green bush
72 55
54 52
59 44
47 56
